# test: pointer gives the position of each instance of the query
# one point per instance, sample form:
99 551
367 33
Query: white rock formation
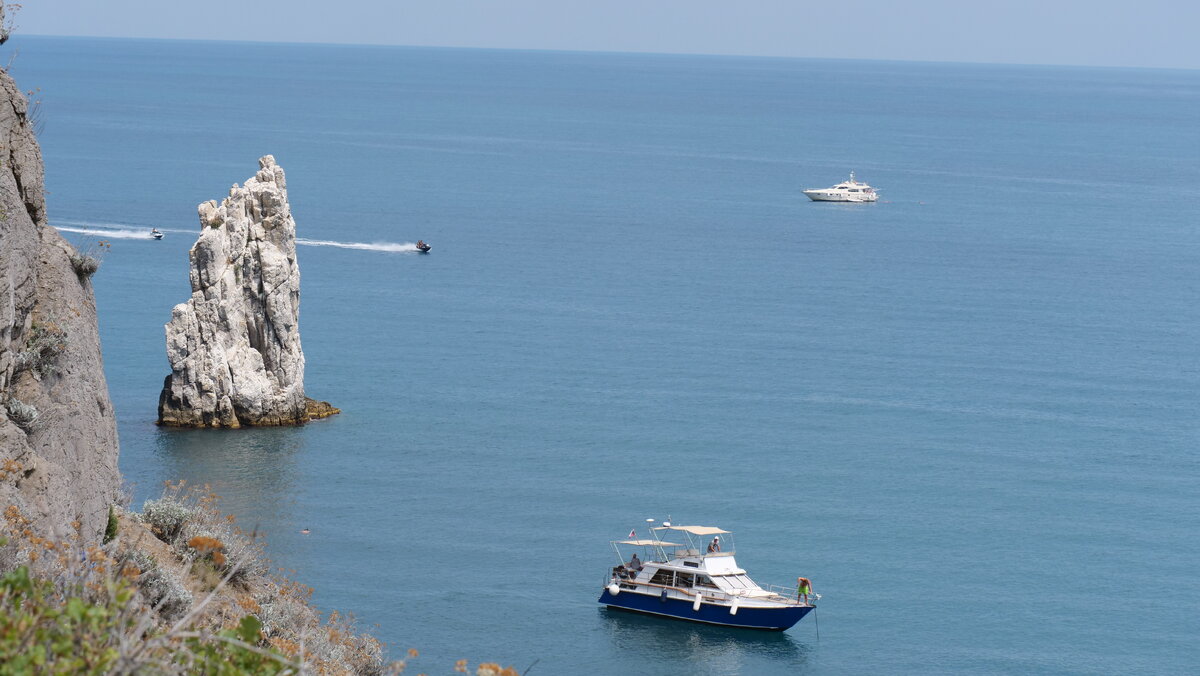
234 347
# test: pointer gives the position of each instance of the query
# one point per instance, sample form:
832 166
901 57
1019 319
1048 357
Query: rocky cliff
58 435
234 347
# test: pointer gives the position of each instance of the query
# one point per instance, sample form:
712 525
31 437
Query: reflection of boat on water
644 637
422 247
846 191
155 233
678 581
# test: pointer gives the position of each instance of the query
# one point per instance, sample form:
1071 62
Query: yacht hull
770 619
820 196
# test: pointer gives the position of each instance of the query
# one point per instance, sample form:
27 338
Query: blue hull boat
770 619
679 582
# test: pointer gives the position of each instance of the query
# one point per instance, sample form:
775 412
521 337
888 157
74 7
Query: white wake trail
119 231
107 233
390 247
111 231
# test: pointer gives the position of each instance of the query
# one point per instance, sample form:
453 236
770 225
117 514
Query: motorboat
422 247
678 581
154 232
846 191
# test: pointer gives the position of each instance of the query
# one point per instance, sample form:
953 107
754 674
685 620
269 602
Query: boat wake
113 232
390 247
119 231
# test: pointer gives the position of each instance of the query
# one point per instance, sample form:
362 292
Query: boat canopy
649 543
695 530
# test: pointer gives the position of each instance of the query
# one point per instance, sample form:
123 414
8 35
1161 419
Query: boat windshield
734 582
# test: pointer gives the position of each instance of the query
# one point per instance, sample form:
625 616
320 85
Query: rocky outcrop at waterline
234 346
58 434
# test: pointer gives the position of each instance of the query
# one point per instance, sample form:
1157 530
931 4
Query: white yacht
678 581
846 191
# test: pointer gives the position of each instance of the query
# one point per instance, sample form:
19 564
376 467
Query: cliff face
234 347
58 435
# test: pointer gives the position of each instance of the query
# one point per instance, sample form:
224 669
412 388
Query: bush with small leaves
45 343
87 262
166 518
85 265
165 592
22 414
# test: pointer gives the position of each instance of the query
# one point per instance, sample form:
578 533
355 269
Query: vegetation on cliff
178 589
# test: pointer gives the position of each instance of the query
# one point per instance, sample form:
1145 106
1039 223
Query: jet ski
422 247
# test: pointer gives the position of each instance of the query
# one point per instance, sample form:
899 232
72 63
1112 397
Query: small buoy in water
614 589
305 531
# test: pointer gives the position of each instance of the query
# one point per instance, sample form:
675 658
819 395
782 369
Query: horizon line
609 51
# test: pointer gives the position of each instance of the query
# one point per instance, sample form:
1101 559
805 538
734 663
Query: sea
969 412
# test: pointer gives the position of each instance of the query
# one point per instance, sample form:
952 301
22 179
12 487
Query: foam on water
108 232
390 247
118 231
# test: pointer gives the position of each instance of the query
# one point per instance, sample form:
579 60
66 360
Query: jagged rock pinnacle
234 347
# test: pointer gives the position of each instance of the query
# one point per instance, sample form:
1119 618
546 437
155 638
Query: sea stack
234 347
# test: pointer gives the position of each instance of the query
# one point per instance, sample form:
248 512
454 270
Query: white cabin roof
695 530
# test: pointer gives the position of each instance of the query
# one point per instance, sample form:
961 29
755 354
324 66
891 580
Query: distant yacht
846 191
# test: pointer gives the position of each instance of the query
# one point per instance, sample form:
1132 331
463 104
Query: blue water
968 412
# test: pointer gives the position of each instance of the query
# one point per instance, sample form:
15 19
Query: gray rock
58 435
234 347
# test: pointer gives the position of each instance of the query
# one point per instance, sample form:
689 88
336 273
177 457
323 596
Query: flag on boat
632 534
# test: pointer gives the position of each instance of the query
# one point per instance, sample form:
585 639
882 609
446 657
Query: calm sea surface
969 412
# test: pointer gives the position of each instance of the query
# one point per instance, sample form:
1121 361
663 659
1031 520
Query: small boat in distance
155 233
679 582
846 191
422 247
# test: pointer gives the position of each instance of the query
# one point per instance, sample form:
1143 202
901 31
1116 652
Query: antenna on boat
653 535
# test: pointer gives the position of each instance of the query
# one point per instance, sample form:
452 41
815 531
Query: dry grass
183 583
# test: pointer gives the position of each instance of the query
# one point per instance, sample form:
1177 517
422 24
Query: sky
1144 33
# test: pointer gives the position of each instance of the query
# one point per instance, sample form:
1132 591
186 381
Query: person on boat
714 546
635 564
803 588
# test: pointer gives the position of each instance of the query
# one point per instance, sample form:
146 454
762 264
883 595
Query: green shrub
42 633
46 631
111 528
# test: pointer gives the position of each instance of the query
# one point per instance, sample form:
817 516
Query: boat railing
710 594
790 593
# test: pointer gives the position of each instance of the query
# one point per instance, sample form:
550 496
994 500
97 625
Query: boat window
733 581
662 577
684 579
704 581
